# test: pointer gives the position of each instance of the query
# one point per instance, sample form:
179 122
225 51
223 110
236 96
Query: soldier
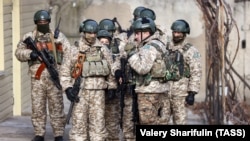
42 85
136 14
104 37
148 68
128 120
95 60
185 79
112 100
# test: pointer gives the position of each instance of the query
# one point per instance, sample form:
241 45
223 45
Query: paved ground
19 128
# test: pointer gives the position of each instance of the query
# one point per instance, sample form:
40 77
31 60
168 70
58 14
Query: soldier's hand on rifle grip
190 97
70 95
33 56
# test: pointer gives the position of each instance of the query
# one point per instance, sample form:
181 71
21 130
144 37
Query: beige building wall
6 69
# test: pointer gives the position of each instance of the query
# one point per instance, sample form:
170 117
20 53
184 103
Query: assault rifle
122 89
135 110
47 59
119 26
57 31
75 91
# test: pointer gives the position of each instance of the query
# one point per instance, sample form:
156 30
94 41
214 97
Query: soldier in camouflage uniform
127 38
43 89
88 117
185 83
112 99
136 14
149 70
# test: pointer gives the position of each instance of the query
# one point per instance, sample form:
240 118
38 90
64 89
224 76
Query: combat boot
38 138
59 138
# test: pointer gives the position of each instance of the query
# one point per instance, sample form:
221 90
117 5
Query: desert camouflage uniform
44 89
174 103
149 96
88 121
112 104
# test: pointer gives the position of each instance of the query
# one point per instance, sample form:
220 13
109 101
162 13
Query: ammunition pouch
158 69
95 68
176 68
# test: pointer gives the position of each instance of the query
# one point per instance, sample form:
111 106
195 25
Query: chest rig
176 67
158 69
94 63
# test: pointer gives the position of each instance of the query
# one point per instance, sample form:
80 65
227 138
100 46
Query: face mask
44 28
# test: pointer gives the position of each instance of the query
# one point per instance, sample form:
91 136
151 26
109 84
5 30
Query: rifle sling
39 71
53 46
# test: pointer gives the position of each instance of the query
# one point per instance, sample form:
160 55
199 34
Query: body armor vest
95 64
44 42
176 67
158 69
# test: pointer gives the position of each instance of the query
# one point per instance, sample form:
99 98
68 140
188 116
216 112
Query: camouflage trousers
149 106
44 91
112 118
128 124
173 106
88 117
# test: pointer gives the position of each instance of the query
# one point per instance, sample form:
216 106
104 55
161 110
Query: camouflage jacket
89 82
142 62
22 53
192 57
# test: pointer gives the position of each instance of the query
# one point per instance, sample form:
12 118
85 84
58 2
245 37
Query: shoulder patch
196 55
146 46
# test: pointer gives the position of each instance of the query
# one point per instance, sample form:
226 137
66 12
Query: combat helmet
137 12
105 34
144 23
148 13
42 15
180 26
107 24
89 25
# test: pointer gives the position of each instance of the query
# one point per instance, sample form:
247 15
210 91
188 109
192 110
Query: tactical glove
33 56
130 49
118 74
70 95
190 97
